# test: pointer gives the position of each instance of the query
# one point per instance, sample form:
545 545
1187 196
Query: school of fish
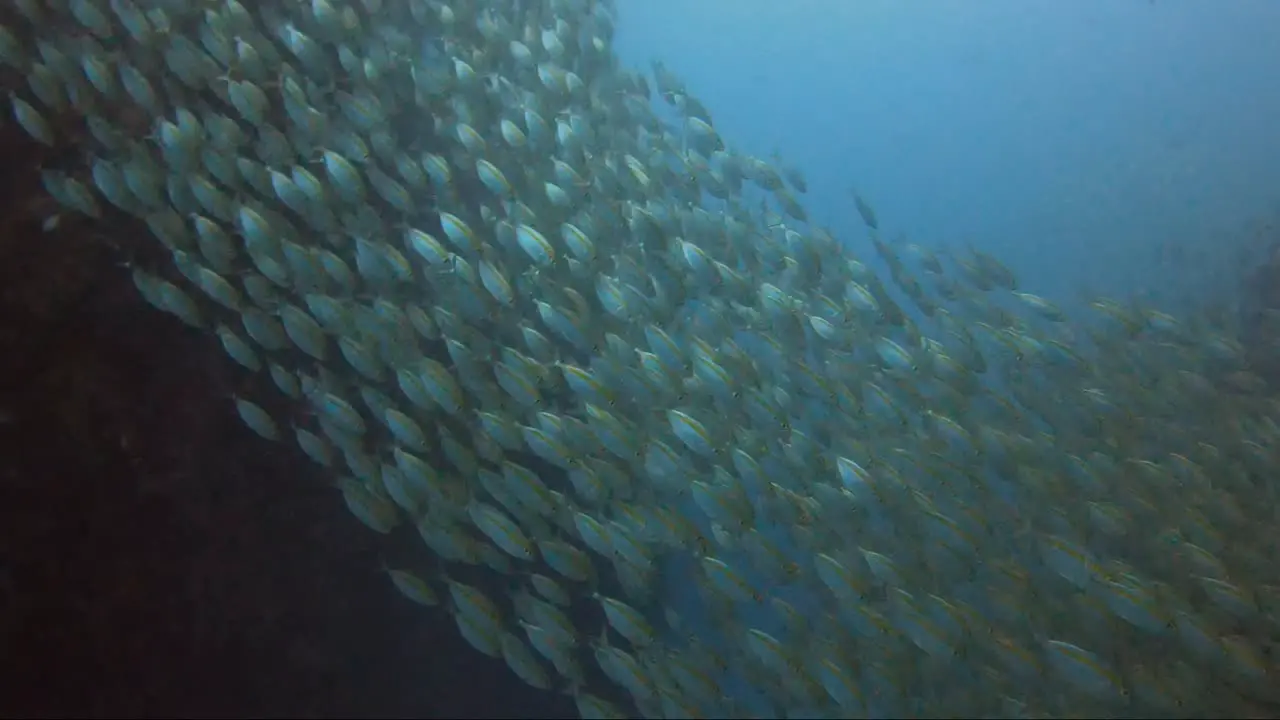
530 305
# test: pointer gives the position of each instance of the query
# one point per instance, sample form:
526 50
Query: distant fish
868 215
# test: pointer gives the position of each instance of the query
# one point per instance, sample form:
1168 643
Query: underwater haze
1080 141
736 359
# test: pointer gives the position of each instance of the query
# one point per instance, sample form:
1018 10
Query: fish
599 355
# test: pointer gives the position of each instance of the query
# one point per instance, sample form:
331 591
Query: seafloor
156 557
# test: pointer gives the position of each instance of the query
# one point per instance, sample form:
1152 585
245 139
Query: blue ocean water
1115 149
1079 142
